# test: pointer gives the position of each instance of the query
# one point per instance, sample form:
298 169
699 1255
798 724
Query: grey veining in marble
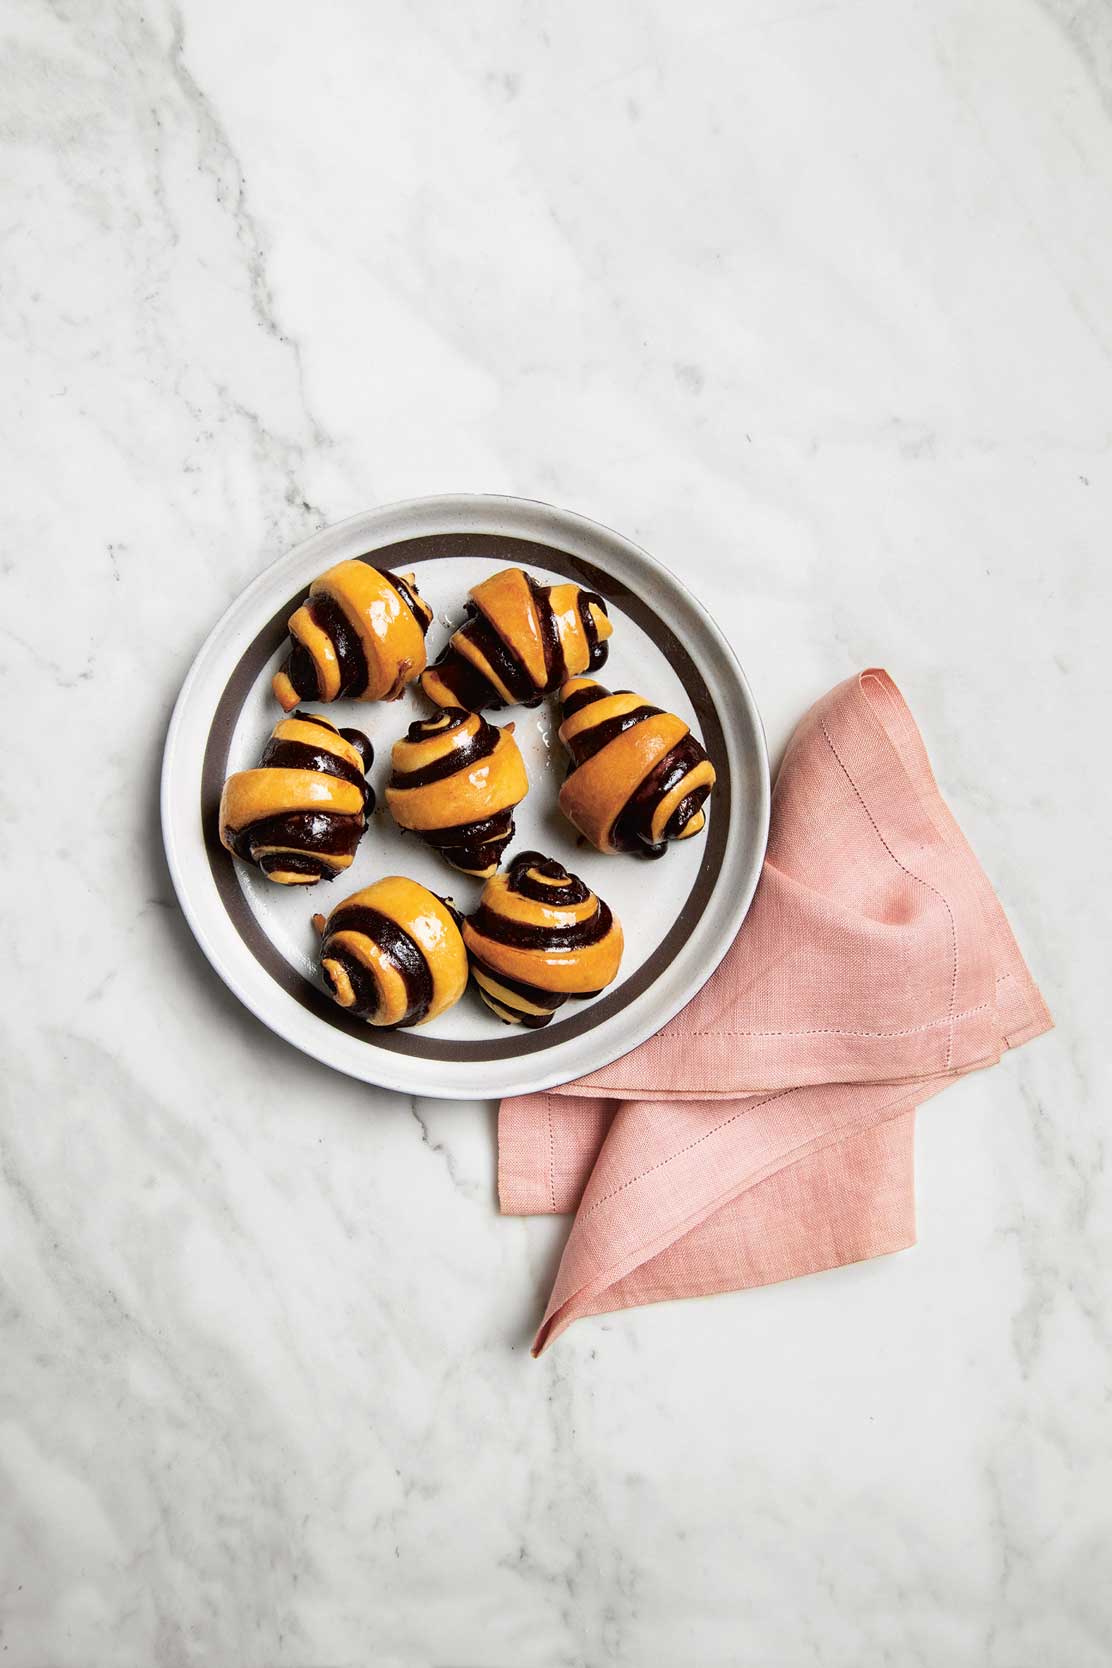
815 301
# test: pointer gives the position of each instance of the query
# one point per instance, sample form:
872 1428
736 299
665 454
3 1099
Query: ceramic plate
680 913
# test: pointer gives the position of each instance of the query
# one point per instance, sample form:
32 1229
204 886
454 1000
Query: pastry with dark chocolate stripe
538 937
638 778
392 954
300 815
359 635
520 641
456 782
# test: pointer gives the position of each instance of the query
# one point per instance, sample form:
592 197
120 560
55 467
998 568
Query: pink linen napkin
767 1131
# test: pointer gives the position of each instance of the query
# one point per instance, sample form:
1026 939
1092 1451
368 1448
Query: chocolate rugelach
359 635
392 953
456 782
300 815
519 643
538 937
637 778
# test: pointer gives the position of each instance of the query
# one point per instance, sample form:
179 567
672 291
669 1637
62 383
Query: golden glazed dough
456 782
638 778
360 635
520 641
392 954
539 936
300 815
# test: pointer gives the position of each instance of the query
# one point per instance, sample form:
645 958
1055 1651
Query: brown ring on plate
437 547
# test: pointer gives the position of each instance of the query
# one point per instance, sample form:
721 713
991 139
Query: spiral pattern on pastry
300 815
456 782
392 954
638 778
359 635
539 936
520 640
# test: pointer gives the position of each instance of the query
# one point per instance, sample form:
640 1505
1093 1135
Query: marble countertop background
814 300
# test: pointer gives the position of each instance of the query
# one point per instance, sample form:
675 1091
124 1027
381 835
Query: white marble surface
814 300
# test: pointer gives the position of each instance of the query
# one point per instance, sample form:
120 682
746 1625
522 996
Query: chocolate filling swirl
474 845
420 610
473 689
544 882
399 949
298 755
460 757
587 743
632 831
305 839
328 616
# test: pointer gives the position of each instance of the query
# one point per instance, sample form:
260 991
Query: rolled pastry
637 777
520 640
300 815
359 635
392 954
456 782
539 936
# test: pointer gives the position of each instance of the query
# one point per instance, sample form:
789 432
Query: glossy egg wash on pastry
520 640
456 782
539 936
300 815
637 777
359 635
392 954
